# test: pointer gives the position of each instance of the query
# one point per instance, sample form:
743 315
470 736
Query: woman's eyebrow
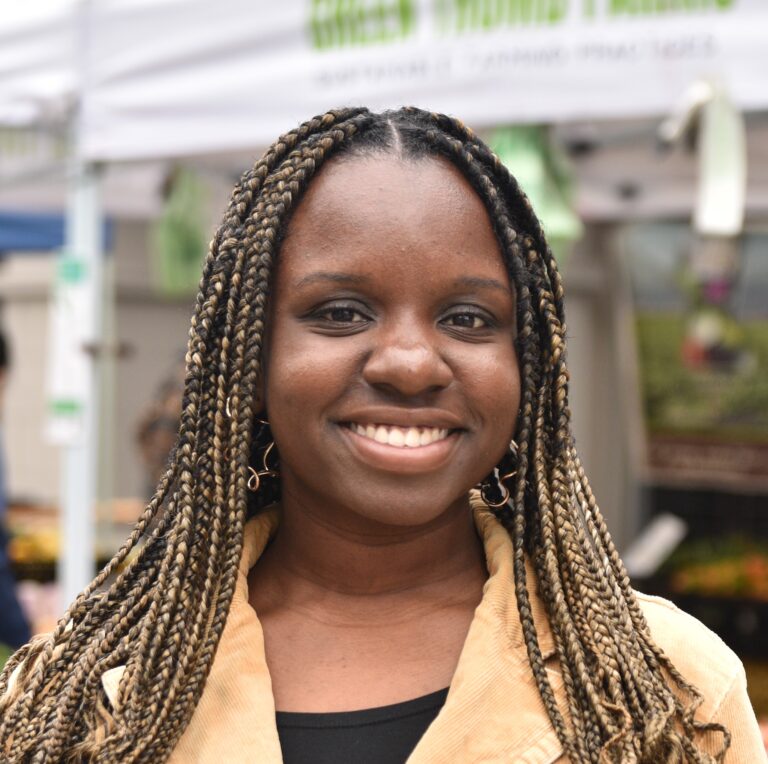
478 282
337 277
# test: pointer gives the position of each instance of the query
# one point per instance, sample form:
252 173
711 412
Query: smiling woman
375 541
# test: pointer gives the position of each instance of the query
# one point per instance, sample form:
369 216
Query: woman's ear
259 404
260 399
260 391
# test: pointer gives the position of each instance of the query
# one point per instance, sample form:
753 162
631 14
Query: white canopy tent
140 79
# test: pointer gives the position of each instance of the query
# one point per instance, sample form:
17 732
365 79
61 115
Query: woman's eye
341 314
467 321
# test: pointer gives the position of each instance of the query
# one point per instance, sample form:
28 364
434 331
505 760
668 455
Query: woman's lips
400 453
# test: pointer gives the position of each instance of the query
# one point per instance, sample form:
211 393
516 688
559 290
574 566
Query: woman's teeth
400 437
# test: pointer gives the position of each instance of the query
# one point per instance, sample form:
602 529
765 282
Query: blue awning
37 232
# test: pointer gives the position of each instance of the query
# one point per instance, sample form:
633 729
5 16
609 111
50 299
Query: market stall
121 89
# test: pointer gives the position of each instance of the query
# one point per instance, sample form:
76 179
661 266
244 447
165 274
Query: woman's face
391 382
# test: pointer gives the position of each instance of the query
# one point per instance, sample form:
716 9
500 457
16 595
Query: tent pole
80 455
84 250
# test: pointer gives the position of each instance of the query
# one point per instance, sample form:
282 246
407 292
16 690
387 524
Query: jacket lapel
493 712
235 718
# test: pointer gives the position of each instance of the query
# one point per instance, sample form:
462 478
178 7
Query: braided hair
160 605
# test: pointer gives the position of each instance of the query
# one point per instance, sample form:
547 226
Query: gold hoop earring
505 494
501 481
254 481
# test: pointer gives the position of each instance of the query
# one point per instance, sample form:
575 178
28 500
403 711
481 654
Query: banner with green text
200 76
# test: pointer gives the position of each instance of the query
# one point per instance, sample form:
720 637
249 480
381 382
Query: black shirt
384 735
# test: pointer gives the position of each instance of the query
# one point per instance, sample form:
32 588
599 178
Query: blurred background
639 128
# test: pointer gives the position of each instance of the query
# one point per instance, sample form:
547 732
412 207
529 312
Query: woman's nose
406 362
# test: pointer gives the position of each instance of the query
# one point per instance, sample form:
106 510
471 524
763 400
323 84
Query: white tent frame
50 92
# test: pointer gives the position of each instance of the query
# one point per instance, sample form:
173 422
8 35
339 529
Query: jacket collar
493 711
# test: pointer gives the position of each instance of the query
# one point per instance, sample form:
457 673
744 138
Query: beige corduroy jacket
493 712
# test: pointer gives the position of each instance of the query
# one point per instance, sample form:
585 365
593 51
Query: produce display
36 536
34 548
736 566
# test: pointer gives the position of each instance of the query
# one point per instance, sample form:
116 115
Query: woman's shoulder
713 668
697 652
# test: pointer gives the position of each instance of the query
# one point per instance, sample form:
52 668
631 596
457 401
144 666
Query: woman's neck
320 558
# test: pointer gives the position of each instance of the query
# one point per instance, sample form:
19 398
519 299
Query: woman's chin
404 509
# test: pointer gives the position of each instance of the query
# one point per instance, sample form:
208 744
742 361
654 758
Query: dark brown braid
160 605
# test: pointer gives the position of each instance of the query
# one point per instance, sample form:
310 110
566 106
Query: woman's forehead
380 205
388 181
